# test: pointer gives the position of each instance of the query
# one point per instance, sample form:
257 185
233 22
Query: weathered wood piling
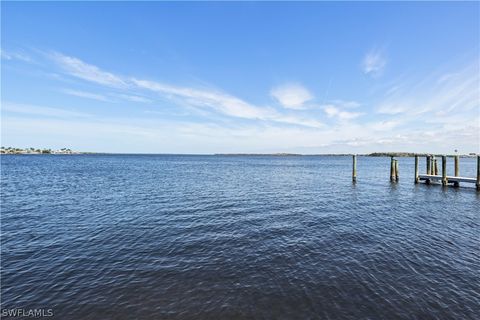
392 169
456 160
429 162
478 173
457 169
397 174
354 168
416 169
444 170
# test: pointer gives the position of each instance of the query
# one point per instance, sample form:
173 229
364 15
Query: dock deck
431 177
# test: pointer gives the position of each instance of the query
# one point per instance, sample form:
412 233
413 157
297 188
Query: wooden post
444 170
396 170
435 166
427 181
478 173
456 183
456 166
432 165
354 168
428 165
416 169
392 169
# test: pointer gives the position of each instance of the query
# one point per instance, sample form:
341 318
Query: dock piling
444 170
416 169
456 166
354 168
396 170
435 167
392 169
478 173
429 162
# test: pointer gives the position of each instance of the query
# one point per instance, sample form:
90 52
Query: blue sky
213 77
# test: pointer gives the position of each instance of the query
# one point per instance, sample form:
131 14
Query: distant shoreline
31 151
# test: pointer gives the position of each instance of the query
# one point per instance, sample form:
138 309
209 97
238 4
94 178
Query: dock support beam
444 170
416 169
435 167
478 173
456 183
354 168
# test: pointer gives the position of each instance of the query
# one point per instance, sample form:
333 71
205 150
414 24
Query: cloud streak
85 71
88 95
374 62
34 110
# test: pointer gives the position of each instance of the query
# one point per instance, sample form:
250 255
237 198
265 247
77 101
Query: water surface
244 237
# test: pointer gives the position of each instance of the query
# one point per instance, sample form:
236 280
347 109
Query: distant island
10 150
258 154
411 154
374 154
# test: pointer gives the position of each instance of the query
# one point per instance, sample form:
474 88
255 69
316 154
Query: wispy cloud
346 104
132 98
442 102
223 103
10 55
374 62
291 96
436 95
87 95
35 110
214 100
85 71
334 112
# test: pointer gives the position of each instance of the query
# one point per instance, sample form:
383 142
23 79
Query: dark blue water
218 237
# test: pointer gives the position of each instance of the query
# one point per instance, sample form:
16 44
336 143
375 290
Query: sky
241 77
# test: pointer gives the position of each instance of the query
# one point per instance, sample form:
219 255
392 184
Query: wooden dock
450 179
431 174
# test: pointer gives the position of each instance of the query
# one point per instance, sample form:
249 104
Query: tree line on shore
10 150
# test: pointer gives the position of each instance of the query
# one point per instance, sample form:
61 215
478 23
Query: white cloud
332 111
346 104
85 71
222 103
403 111
112 97
374 62
203 98
292 96
391 108
15 56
